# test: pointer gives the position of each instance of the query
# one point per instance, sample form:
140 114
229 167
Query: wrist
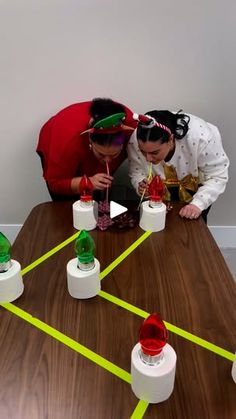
75 182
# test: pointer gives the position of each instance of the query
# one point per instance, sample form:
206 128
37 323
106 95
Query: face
155 151
105 154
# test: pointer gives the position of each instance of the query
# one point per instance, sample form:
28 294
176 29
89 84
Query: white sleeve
137 166
213 166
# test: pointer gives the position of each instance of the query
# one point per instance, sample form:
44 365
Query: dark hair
99 109
177 123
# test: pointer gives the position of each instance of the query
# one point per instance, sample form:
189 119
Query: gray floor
230 258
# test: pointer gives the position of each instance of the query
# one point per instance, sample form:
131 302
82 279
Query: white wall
153 54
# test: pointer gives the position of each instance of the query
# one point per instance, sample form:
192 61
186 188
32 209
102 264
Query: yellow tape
71 239
48 254
181 332
140 409
201 342
71 343
109 366
123 255
124 304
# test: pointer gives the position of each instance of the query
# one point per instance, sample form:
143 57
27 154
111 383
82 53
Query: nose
149 158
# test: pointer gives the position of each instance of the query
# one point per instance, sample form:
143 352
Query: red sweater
65 154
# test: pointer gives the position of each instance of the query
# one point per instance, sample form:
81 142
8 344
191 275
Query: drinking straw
144 191
107 190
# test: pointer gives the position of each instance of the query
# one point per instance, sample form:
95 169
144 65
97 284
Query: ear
90 122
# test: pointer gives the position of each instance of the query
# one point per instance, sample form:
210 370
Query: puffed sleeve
213 166
137 168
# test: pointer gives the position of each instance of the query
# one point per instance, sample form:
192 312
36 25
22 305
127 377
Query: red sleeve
64 152
60 147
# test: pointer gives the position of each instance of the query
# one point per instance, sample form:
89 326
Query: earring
90 146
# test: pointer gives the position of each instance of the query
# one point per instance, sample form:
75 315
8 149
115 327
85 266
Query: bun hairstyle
103 107
167 123
182 121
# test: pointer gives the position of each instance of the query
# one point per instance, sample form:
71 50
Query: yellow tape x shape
119 372
71 343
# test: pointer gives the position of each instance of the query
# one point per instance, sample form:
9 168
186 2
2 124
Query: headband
110 125
149 122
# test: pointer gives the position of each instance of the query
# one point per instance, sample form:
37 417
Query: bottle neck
86 204
4 267
155 204
151 360
86 266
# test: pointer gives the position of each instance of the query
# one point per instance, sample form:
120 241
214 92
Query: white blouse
199 153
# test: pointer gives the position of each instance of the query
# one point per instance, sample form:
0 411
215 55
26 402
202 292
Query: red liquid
86 189
156 189
153 335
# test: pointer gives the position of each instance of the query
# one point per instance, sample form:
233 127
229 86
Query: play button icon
116 209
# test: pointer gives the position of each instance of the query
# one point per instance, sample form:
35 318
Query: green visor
110 121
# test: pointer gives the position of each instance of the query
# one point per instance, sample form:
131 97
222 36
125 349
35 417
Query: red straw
108 173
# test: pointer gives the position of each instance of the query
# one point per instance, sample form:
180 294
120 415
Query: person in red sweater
70 145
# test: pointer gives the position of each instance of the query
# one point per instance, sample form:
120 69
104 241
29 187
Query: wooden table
178 273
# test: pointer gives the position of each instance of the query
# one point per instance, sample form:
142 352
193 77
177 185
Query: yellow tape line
71 239
181 332
71 343
48 254
124 304
123 255
140 410
201 342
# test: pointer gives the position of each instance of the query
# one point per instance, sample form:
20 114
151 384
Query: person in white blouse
186 152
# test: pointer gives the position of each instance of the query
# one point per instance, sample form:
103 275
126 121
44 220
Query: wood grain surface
178 273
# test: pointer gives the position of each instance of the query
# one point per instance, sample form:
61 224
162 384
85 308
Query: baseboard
10 231
225 236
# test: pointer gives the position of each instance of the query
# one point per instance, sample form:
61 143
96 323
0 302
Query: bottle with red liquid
155 192
153 362
152 338
85 210
86 191
153 211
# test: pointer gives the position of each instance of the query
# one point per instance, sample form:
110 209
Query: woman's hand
143 186
101 181
190 211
